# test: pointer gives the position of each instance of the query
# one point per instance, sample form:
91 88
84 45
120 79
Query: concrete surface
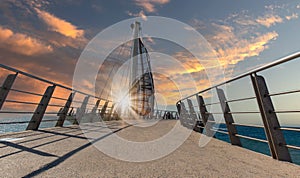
65 152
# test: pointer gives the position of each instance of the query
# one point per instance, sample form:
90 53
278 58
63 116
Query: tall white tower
141 81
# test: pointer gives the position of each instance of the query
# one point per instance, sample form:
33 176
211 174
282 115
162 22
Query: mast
141 81
135 51
134 64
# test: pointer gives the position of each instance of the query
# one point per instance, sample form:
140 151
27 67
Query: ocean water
291 138
5 128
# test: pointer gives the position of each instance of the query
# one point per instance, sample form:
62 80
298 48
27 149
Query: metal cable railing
244 112
248 125
293 147
241 99
46 81
208 104
17 112
26 92
21 102
290 129
58 107
219 131
284 93
59 98
284 112
254 71
251 138
48 103
274 136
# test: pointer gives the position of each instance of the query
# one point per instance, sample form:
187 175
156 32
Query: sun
125 101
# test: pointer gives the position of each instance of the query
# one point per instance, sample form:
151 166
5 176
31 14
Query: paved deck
65 152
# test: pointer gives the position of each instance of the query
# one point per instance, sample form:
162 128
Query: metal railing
164 114
197 116
87 104
63 111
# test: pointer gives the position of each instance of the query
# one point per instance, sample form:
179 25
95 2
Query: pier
149 88
65 152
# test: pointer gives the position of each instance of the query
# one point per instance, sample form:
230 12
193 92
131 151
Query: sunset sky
46 37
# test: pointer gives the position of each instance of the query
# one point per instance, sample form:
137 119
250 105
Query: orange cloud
149 5
293 16
269 20
21 43
189 62
168 86
225 34
140 14
59 25
245 48
233 45
275 6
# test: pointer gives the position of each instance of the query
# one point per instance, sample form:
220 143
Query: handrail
259 69
89 104
47 81
266 109
26 92
41 107
284 93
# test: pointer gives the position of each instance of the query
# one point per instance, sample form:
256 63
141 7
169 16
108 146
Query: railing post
207 118
193 114
9 81
71 113
96 107
178 107
157 114
164 115
64 111
167 115
195 121
183 115
176 116
154 115
111 112
172 115
271 125
189 121
151 115
81 112
40 110
103 110
228 118
115 115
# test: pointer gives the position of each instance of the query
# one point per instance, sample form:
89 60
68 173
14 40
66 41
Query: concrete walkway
65 152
